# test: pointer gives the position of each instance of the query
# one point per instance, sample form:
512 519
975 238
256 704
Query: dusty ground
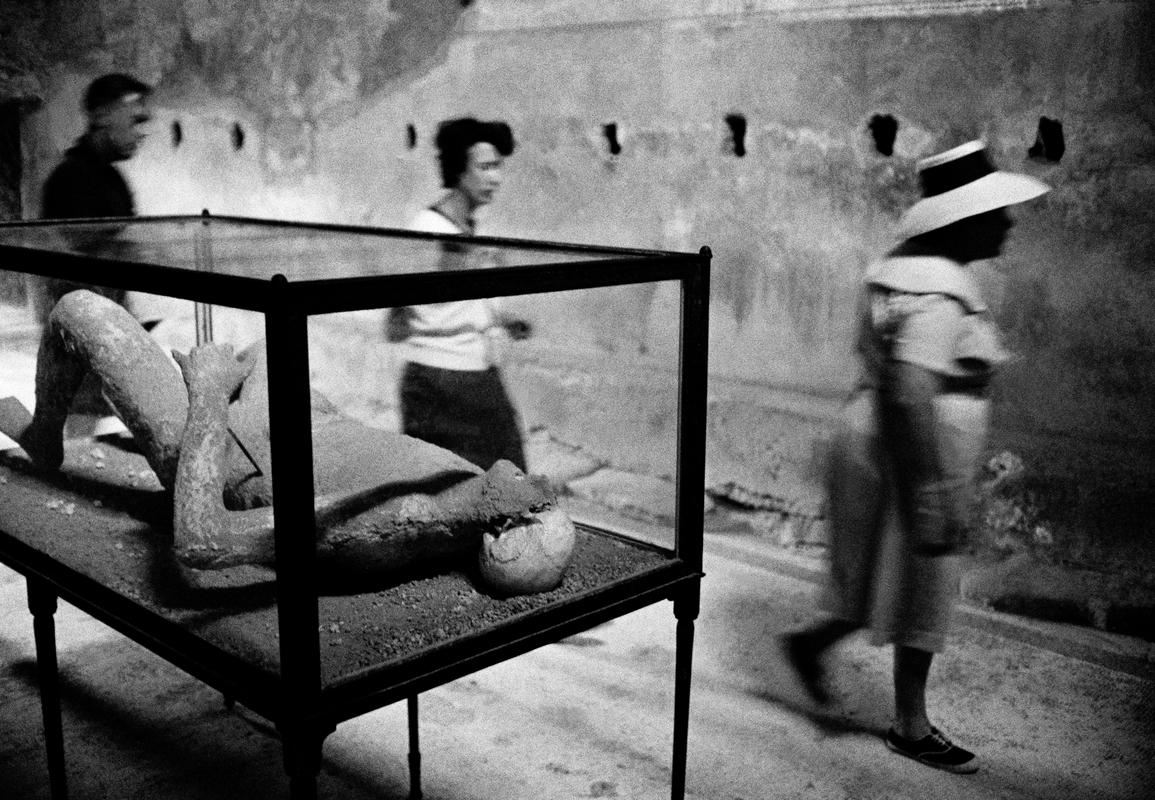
591 717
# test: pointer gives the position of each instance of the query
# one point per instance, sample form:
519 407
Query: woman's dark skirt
465 411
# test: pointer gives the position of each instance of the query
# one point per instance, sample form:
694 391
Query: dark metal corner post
693 375
42 604
290 429
414 750
691 478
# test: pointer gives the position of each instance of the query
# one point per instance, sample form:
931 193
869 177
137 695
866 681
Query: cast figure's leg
88 332
59 373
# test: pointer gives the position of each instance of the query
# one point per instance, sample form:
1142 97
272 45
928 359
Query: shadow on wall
294 64
305 56
417 40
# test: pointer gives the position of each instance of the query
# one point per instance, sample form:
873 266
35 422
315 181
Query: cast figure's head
117 108
528 556
471 153
963 211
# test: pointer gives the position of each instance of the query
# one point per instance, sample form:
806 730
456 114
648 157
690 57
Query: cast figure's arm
206 535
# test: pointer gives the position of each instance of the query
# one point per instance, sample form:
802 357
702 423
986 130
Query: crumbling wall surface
759 128
245 91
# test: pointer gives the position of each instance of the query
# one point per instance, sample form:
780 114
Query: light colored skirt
876 578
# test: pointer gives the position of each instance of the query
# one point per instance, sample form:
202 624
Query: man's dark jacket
85 184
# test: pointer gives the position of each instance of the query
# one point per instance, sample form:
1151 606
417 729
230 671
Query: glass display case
290 635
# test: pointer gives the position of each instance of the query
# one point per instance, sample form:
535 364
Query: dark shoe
934 750
807 666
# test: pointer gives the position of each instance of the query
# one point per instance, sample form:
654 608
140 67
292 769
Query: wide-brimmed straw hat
960 183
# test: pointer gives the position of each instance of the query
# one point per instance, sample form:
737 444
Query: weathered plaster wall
324 94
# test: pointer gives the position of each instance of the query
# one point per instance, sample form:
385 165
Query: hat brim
997 190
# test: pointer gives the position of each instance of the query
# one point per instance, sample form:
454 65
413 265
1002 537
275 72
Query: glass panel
257 250
591 375
584 386
593 369
593 391
597 391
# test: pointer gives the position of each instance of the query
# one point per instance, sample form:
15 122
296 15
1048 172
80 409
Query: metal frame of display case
303 709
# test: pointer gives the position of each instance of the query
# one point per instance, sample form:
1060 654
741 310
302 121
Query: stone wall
745 126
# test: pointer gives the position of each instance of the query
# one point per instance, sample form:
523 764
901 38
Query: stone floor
1054 710
591 716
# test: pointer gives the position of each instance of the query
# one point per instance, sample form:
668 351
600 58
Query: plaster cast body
385 503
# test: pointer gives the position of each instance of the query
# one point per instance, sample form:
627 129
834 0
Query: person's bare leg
806 648
912 735
825 634
911 668
88 332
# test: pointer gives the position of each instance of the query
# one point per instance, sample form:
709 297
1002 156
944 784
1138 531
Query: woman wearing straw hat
904 457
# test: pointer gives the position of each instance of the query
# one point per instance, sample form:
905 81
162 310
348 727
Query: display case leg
302 752
303 787
414 752
42 604
686 613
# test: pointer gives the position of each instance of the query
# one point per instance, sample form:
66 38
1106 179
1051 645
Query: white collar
927 275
